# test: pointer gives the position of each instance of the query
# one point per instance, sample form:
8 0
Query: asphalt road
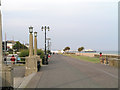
67 72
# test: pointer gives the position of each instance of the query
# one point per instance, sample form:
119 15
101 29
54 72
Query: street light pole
48 43
45 28
50 46
30 41
45 41
35 43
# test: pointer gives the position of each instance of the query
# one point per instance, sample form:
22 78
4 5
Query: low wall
114 62
85 54
108 55
98 55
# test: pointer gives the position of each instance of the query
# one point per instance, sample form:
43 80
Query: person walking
13 59
101 59
100 54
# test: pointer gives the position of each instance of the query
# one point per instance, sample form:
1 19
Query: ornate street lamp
35 43
30 41
35 34
48 44
30 29
45 28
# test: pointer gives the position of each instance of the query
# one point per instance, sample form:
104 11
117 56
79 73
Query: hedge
25 53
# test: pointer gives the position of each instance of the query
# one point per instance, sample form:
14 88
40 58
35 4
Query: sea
108 52
97 52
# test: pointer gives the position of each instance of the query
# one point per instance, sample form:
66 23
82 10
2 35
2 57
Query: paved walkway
19 73
67 72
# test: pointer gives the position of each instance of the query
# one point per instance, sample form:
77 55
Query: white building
58 51
10 44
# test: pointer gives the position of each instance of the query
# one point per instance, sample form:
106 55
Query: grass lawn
85 58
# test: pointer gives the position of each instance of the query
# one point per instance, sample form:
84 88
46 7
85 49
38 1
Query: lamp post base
45 61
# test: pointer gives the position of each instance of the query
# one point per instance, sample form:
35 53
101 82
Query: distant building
10 44
57 51
54 51
60 51
89 50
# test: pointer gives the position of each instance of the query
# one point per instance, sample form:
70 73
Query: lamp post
35 43
45 28
48 43
50 46
30 41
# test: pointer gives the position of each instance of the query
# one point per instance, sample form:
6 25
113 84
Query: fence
22 60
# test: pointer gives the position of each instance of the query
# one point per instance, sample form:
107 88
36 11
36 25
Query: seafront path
66 72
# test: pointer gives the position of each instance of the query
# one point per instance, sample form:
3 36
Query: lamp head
45 27
42 28
31 29
48 28
35 34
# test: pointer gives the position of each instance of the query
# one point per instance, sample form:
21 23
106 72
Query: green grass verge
85 58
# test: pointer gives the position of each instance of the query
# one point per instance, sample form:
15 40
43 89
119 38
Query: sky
92 24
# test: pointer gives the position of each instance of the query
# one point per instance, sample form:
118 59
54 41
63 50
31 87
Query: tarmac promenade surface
67 72
20 81
19 73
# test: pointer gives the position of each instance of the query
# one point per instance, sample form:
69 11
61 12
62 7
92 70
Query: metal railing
20 61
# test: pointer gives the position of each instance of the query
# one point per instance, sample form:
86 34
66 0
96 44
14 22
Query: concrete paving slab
26 80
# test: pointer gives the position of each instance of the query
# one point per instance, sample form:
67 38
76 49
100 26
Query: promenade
66 72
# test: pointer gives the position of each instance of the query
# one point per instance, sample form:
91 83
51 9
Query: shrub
40 53
25 53
10 51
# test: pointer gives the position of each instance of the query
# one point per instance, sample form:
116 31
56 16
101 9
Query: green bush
10 51
25 53
40 53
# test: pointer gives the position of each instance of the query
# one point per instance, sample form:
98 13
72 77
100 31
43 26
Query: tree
80 49
66 48
19 46
10 51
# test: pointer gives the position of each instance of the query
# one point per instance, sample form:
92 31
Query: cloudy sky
74 23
